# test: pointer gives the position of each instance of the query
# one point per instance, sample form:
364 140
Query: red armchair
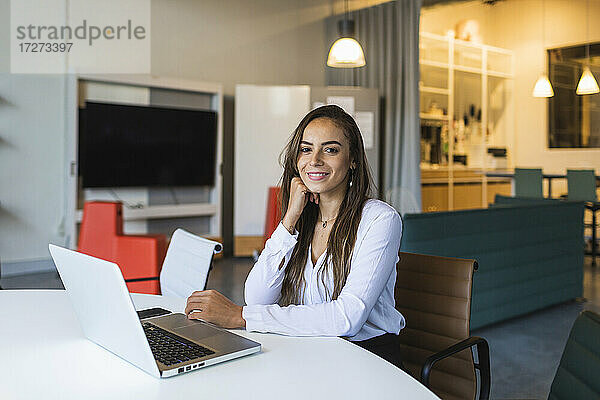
140 257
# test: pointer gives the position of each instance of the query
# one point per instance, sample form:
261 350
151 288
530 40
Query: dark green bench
530 254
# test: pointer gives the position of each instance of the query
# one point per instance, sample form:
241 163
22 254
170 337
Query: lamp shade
346 53
587 83
543 87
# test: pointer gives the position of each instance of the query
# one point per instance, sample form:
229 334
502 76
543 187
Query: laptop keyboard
169 348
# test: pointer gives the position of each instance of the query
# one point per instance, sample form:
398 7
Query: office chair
187 264
528 183
577 374
434 295
139 256
273 217
582 187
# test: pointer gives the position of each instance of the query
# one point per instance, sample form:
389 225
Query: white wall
275 42
32 148
4 35
269 42
517 25
32 153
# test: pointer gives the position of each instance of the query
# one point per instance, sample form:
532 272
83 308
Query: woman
329 269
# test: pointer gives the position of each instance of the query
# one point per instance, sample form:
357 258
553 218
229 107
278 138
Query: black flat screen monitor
129 146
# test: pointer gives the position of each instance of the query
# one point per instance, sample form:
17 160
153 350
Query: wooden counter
460 189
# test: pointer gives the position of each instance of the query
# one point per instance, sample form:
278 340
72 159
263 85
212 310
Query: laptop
163 346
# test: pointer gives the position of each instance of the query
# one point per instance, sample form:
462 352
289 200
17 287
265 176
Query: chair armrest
483 354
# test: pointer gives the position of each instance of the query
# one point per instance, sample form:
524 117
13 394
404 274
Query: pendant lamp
543 87
587 83
346 52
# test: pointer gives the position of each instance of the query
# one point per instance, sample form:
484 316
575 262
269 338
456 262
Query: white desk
43 354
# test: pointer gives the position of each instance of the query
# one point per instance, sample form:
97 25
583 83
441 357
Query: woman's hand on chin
299 197
211 306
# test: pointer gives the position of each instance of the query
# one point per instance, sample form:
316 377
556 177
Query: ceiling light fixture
543 87
587 83
346 52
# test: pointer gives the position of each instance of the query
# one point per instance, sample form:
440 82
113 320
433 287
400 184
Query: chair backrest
528 182
434 295
581 184
102 221
186 264
577 374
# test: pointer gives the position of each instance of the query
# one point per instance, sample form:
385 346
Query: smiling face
324 157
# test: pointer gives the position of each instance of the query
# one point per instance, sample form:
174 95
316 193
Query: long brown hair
343 233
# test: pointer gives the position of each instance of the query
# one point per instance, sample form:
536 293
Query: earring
350 177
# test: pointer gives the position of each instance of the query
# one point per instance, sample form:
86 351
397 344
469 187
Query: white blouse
365 307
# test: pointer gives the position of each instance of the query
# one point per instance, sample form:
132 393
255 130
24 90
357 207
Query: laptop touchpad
197 331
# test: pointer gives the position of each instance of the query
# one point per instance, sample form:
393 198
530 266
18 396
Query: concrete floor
525 351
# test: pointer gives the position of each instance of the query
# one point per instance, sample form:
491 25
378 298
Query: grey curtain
389 34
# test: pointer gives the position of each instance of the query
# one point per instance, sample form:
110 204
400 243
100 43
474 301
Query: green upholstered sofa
577 374
530 253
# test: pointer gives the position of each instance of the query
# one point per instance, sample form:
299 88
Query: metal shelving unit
455 75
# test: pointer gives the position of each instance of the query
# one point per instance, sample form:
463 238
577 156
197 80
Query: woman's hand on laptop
211 306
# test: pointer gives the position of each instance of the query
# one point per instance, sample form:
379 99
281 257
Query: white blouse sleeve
263 285
375 259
